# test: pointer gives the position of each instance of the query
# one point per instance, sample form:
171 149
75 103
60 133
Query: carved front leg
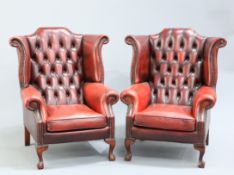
40 149
207 139
128 143
111 142
201 149
26 137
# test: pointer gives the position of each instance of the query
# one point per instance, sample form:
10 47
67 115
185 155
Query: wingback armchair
173 76
61 79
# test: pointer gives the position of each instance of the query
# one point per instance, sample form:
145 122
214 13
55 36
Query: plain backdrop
116 19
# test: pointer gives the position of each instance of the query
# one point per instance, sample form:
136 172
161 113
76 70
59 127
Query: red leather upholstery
92 61
210 60
32 100
73 117
140 63
205 99
137 95
179 70
98 97
56 70
176 65
169 117
61 78
59 65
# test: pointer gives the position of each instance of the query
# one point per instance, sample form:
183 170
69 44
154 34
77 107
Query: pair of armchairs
173 75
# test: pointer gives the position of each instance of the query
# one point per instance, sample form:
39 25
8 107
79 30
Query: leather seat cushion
167 117
73 117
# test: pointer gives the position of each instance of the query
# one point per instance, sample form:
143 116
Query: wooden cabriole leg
111 142
128 143
26 137
207 138
40 149
201 148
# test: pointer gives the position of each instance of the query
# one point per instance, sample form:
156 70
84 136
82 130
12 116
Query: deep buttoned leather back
176 65
56 65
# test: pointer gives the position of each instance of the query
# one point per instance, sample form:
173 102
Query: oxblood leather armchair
173 75
61 78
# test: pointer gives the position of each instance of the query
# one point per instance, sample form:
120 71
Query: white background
116 19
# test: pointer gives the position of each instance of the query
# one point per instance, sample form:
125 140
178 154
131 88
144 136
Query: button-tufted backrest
56 65
176 65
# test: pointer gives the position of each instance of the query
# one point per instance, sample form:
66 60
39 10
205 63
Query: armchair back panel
57 62
56 65
175 66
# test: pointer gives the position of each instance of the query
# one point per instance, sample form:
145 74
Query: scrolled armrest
204 99
32 100
138 95
100 98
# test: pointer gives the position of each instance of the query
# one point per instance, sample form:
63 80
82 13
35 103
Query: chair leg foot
26 137
111 142
128 143
201 149
40 149
207 139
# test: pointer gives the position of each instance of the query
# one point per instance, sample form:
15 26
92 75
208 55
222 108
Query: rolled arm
100 98
138 96
32 100
204 99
